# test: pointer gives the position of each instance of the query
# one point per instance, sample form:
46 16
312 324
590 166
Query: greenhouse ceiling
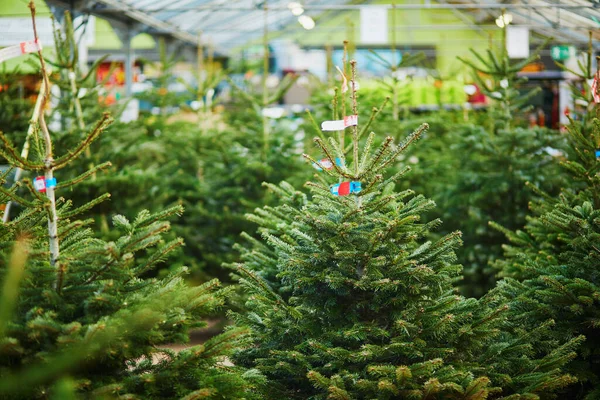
229 24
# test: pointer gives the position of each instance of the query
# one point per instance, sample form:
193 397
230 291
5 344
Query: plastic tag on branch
50 183
327 164
345 188
345 81
16 50
40 184
597 154
338 125
595 89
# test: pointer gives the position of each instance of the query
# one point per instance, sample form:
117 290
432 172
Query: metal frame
219 21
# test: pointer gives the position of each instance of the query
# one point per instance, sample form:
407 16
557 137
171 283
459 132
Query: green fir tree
492 165
82 315
551 266
348 299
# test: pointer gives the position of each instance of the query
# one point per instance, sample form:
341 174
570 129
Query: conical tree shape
81 315
492 164
553 264
349 300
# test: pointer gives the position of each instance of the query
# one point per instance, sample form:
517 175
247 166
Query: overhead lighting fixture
296 8
307 22
504 20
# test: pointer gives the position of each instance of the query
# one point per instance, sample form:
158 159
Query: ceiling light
307 22
504 20
296 8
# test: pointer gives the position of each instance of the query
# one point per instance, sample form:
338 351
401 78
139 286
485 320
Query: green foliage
552 264
159 95
97 315
497 78
15 109
81 315
481 170
348 297
484 180
581 92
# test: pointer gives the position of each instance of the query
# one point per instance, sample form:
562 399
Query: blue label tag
355 187
597 153
51 182
335 189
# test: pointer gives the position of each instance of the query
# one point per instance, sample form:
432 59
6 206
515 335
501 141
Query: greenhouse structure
300 200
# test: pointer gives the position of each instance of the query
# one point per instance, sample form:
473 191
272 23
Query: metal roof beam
150 21
553 32
350 7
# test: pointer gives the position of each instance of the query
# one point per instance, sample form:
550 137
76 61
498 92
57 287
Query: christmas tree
492 165
552 264
349 300
78 306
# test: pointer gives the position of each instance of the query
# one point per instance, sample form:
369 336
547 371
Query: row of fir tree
356 265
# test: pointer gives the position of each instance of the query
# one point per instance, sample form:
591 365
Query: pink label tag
351 120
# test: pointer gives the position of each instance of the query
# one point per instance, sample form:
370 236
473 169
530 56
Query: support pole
25 151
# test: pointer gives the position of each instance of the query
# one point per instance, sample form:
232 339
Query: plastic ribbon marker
345 188
339 125
345 81
16 50
326 162
50 183
41 183
597 154
595 89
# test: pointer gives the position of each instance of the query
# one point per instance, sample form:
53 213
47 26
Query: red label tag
344 189
40 184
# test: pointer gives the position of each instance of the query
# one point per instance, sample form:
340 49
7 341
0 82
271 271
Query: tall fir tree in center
349 300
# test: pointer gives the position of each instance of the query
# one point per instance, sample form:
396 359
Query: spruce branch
331 157
10 193
374 114
13 155
25 151
88 206
411 138
318 162
101 125
315 125
84 176
379 154
322 188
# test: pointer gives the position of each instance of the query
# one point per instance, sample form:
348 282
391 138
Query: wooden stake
25 151
49 166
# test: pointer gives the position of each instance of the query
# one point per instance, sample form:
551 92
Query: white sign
517 41
373 25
